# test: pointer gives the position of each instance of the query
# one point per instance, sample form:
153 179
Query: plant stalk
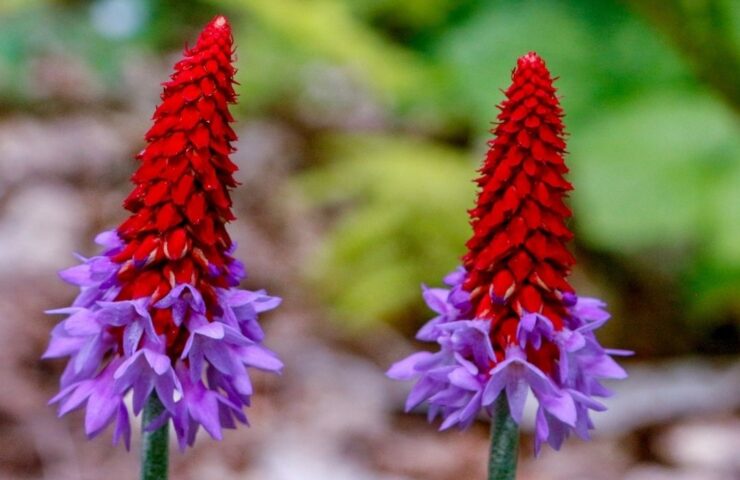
504 442
154 444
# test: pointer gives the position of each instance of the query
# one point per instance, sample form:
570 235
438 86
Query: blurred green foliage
326 28
663 160
40 31
404 224
651 96
40 37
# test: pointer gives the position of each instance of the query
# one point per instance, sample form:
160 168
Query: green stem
153 444
504 442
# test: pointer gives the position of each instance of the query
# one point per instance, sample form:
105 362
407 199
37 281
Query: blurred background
361 123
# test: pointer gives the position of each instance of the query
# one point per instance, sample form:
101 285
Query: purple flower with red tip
159 310
510 322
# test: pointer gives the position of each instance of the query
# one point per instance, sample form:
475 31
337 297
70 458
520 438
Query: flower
159 310
510 322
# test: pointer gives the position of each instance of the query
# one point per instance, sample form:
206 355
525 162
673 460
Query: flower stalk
504 442
154 443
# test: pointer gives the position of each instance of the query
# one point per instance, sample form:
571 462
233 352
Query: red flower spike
180 200
509 314
166 277
517 252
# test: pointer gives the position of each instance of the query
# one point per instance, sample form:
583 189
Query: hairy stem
504 442
154 444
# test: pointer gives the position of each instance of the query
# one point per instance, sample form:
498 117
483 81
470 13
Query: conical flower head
510 321
517 261
180 204
159 312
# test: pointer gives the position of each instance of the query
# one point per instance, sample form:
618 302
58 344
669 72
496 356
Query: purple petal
165 386
406 369
142 388
619 353
541 384
450 420
108 239
242 383
123 427
470 412
101 405
196 357
605 367
159 363
234 336
496 383
81 323
213 330
435 298
78 275
79 393
542 430
125 372
220 356
463 379
259 357
516 394
205 411
455 277
253 331
561 406
428 332
266 303
420 392
131 337
62 346
587 401
158 422
89 356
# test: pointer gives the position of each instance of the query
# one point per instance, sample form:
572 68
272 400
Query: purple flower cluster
114 349
465 375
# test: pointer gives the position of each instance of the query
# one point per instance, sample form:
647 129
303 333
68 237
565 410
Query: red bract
517 260
180 202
